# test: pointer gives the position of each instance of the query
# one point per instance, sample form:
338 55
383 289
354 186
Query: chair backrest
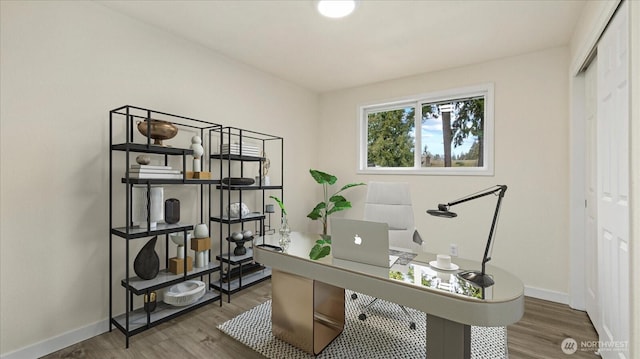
390 202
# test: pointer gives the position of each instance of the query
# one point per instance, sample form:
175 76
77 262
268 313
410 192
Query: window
454 137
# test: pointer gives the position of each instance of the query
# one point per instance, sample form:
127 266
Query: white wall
64 66
531 157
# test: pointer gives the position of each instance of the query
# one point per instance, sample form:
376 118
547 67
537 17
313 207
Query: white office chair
390 202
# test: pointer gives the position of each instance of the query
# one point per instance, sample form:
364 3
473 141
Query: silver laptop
360 241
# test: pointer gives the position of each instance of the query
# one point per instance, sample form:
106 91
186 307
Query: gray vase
147 263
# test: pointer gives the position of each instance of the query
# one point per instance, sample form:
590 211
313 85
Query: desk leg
305 313
447 339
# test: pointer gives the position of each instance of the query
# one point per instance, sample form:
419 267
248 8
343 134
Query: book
143 170
138 166
155 175
234 149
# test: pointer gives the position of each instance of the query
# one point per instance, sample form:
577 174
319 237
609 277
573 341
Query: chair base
363 316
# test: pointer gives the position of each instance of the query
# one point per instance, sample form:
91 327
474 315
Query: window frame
417 101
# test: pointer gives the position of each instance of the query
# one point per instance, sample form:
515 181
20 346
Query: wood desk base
305 313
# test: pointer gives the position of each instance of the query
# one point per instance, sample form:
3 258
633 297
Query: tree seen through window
452 135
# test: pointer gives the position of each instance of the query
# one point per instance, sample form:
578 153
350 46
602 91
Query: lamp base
480 279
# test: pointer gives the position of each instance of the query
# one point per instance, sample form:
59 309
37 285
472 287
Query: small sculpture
237 209
143 159
266 164
198 151
147 263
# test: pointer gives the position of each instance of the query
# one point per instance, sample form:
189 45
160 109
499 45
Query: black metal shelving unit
240 272
121 125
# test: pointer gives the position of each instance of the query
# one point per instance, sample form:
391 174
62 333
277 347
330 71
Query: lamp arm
486 258
499 188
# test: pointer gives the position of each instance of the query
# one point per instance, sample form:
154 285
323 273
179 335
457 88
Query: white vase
139 204
285 232
201 231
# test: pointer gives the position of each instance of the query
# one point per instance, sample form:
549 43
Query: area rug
384 334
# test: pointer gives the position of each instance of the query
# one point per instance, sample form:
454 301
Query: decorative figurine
266 164
198 151
143 159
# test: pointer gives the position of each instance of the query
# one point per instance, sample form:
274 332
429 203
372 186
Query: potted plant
330 204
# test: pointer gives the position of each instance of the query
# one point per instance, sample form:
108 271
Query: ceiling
381 40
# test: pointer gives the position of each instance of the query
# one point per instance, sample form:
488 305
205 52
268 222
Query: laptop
360 241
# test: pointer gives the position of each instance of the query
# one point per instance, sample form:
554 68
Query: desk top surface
437 292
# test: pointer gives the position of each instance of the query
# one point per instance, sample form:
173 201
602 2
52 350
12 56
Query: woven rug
384 334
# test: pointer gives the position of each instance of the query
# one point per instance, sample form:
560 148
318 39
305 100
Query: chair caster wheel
354 296
362 316
412 326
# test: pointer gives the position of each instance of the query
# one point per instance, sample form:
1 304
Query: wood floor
538 335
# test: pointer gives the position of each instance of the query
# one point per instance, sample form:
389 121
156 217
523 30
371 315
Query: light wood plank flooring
538 335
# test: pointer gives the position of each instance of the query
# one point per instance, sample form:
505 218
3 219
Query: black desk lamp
479 278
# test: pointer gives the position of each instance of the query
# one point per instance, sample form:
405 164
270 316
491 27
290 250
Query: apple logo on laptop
357 239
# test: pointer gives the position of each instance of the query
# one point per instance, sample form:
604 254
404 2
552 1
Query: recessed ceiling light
335 8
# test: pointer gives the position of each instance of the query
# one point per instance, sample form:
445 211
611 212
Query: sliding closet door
613 181
592 301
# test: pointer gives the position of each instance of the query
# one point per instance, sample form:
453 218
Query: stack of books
150 171
234 149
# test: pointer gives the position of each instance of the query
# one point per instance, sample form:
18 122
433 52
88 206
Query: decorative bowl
185 293
178 238
238 181
160 130
240 248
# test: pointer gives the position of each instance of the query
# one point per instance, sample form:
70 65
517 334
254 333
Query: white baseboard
58 342
545 294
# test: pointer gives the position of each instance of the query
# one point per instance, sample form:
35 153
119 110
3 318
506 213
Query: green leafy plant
331 204
322 248
279 202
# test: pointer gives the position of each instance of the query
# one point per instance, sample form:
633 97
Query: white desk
301 286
